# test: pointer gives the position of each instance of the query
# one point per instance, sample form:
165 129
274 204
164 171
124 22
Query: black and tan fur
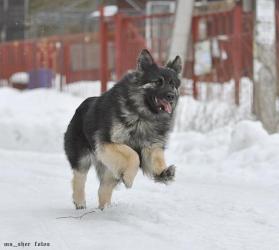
124 129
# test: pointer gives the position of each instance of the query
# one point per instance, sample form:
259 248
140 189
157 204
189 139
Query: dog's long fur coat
124 129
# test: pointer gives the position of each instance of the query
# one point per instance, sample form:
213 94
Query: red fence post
237 49
61 58
195 22
118 45
103 51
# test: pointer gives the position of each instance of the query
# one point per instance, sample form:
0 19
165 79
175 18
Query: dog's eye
160 82
174 84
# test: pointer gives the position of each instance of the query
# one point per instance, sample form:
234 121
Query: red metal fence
132 33
222 40
76 56
226 37
230 38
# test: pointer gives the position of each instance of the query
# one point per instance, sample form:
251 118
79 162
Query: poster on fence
203 59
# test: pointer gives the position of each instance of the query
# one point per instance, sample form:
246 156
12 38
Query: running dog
124 129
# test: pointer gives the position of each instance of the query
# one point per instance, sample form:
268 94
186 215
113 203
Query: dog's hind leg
78 182
121 160
107 184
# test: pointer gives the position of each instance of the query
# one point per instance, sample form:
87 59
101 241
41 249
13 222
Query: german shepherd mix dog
124 129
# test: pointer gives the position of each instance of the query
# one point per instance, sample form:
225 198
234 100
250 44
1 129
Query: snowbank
35 120
241 152
209 136
207 116
85 88
217 112
246 134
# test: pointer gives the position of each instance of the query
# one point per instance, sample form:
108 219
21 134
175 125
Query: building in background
12 19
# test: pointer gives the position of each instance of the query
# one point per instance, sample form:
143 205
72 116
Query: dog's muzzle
165 103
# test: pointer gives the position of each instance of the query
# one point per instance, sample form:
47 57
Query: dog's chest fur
138 133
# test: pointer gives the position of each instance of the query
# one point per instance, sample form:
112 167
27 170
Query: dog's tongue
167 106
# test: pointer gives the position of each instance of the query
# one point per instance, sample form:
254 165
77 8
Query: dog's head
160 84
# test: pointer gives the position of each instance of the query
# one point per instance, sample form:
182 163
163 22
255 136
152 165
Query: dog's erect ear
176 64
145 60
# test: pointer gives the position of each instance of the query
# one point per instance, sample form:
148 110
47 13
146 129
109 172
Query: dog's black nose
170 97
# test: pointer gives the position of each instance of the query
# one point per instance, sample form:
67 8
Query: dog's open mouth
163 105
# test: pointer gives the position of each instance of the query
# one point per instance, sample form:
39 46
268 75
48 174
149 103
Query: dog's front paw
167 175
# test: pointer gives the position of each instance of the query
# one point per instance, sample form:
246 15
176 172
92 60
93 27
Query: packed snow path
225 195
188 214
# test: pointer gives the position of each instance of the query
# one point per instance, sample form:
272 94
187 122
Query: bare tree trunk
182 28
265 78
277 39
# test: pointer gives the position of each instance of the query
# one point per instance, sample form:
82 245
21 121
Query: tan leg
78 184
107 185
153 160
154 164
121 160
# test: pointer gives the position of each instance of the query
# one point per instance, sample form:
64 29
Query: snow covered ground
225 195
